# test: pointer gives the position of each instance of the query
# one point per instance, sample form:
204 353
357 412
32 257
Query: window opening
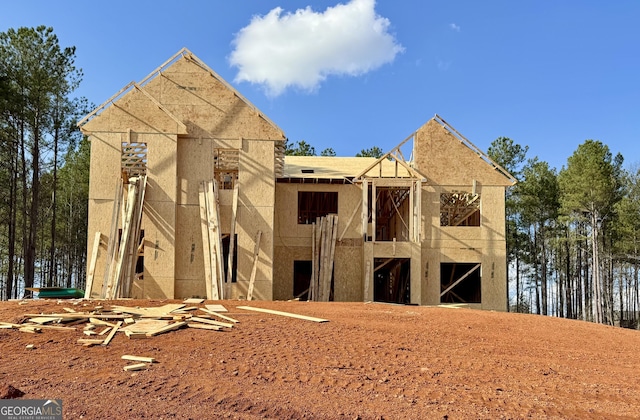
460 283
392 214
392 280
313 204
225 164
134 158
459 209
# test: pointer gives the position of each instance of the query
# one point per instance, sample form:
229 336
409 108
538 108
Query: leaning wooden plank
235 321
211 322
206 244
204 326
92 266
111 334
256 252
138 358
168 328
289 314
137 366
216 308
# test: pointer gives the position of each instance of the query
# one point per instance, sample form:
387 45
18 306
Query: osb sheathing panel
256 174
194 164
189 253
135 111
349 198
99 221
447 161
207 106
186 288
348 286
105 165
161 167
157 287
391 250
159 220
250 220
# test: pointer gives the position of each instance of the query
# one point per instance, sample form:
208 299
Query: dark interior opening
392 280
301 279
460 283
226 240
313 204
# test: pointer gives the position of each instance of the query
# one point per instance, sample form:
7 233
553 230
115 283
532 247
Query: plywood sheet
105 166
447 161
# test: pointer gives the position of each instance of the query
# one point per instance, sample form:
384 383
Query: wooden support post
334 233
373 210
367 277
365 209
92 266
256 253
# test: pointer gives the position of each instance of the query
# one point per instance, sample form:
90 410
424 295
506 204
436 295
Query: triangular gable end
184 53
132 108
392 165
451 159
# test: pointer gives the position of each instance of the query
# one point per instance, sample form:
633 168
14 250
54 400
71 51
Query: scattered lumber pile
101 324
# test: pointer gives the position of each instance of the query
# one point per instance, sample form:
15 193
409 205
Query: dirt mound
8 392
369 361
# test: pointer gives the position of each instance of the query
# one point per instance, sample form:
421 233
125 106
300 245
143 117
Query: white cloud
454 27
282 50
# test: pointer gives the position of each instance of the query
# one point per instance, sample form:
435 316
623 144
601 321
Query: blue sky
548 74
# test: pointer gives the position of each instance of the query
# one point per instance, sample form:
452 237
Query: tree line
44 173
572 235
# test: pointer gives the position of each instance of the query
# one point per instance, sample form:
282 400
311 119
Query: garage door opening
391 280
460 283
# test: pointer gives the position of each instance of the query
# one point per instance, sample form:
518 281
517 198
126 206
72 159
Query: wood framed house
191 196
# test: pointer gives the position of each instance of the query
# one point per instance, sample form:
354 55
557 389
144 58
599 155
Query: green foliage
374 151
508 154
591 181
538 193
328 152
299 148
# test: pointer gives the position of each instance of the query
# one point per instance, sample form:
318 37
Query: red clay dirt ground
370 361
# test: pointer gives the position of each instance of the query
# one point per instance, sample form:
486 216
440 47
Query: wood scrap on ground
281 313
100 325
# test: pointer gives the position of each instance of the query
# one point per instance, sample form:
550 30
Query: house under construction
191 196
